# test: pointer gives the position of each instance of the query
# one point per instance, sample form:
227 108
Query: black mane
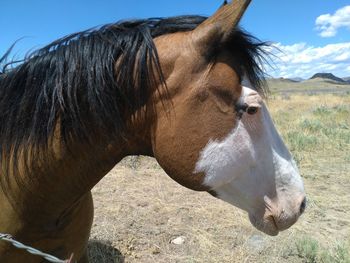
74 80
73 84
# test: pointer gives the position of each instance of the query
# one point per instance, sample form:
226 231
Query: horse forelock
250 55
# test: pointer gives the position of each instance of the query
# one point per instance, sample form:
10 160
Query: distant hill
282 80
347 79
319 83
297 79
327 76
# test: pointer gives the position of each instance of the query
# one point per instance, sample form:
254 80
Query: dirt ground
139 210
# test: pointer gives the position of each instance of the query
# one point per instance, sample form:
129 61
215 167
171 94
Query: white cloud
328 24
302 60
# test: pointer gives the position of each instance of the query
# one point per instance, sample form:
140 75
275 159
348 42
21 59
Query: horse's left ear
217 28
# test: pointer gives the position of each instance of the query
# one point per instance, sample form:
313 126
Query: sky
311 36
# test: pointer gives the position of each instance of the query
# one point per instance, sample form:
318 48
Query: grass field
310 86
139 210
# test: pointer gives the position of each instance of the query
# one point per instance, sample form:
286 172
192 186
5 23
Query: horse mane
95 78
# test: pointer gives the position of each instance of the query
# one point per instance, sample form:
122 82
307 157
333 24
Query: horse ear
217 28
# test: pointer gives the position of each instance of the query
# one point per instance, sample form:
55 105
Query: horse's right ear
217 28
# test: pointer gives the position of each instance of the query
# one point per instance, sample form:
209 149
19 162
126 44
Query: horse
170 88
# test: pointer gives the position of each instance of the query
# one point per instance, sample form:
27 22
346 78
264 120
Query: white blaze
251 163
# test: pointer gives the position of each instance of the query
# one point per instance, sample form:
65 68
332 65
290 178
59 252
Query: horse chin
266 225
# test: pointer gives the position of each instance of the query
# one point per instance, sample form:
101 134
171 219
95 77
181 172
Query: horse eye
252 110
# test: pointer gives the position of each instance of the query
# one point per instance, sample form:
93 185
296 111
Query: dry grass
139 209
310 86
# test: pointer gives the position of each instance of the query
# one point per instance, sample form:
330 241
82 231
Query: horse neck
70 175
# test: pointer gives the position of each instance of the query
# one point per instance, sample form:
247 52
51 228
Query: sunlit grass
313 125
311 251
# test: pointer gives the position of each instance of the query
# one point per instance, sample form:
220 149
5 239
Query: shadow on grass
101 251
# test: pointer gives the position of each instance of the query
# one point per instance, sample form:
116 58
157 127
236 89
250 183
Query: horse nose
302 206
289 214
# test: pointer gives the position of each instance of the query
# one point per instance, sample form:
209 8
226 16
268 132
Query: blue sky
313 35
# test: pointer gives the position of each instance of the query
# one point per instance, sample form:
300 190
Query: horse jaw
252 169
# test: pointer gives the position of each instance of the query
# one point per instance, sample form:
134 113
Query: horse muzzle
278 218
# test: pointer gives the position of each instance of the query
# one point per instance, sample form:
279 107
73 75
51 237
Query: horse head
215 134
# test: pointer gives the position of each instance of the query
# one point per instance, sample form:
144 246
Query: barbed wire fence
9 239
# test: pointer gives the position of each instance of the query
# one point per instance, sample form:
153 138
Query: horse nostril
302 206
